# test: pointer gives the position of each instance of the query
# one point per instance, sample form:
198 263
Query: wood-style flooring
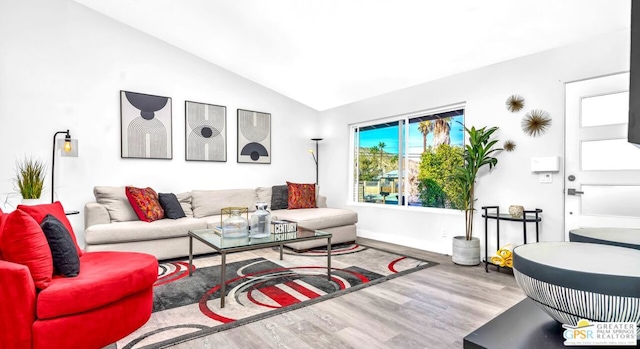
432 308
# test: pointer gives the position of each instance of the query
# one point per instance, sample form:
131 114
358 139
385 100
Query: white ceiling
326 53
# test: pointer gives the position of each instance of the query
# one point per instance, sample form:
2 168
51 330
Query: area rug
258 285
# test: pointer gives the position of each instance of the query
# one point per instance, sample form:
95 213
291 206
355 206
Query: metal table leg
486 240
190 254
223 292
329 258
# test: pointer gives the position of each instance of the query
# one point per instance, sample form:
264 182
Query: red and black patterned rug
258 285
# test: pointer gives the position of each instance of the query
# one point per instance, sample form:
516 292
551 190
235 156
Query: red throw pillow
302 195
38 212
145 203
23 242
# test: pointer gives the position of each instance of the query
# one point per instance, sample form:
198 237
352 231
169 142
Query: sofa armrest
321 201
18 308
94 213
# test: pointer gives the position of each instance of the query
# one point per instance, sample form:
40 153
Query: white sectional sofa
112 225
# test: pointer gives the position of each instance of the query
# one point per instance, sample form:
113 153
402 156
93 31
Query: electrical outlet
444 233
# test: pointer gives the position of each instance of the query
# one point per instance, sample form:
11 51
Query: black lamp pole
67 138
316 157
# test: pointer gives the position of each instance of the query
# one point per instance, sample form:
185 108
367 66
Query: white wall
62 67
539 79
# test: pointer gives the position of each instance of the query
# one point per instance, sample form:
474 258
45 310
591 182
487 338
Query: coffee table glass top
213 238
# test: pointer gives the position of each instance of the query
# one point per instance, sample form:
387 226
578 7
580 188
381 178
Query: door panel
614 105
611 200
602 170
608 155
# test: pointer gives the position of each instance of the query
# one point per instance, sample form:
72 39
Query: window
409 161
378 153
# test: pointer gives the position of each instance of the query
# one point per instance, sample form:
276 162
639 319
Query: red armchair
111 297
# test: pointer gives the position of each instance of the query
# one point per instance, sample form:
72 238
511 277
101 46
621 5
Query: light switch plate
546 178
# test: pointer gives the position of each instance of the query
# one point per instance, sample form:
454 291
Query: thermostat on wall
545 164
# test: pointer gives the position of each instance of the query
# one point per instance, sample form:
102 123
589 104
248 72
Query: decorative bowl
516 211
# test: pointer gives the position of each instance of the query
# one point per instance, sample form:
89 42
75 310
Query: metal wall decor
205 132
515 103
536 122
254 137
145 126
509 145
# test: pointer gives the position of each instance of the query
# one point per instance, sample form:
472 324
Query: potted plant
477 154
30 175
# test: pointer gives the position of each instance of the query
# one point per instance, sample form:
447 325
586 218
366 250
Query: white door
602 170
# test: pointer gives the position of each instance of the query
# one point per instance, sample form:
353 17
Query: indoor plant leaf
30 175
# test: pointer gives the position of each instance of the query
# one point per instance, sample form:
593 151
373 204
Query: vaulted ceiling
326 53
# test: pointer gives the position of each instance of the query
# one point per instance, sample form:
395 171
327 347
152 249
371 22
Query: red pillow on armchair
23 242
39 212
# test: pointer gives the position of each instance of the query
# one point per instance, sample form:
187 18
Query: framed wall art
145 126
206 132
254 137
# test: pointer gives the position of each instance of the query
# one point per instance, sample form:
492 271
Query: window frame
403 120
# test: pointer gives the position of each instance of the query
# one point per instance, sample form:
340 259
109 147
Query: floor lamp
316 156
69 149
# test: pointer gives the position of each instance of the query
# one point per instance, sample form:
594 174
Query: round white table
573 280
623 237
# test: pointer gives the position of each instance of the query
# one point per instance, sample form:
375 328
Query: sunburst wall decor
509 145
536 122
515 103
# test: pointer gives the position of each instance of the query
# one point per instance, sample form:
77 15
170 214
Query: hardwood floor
432 308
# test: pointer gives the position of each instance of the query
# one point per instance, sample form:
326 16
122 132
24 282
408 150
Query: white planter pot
466 252
32 202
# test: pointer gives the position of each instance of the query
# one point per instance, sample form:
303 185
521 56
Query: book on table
281 226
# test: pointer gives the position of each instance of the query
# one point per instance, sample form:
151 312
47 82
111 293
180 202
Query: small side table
528 216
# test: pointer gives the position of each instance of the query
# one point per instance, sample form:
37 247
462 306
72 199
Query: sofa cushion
301 195
63 250
116 202
319 218
210 202
321 201
39 212
105 277
279 197
216 221
171 206
185 202
23 242
141 231
264 194
145 203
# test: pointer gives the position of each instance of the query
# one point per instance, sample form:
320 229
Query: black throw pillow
171 206
280 197
65 256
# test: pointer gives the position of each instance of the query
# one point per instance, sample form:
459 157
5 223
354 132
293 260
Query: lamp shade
60 145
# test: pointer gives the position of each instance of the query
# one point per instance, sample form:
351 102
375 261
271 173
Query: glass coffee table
213 239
